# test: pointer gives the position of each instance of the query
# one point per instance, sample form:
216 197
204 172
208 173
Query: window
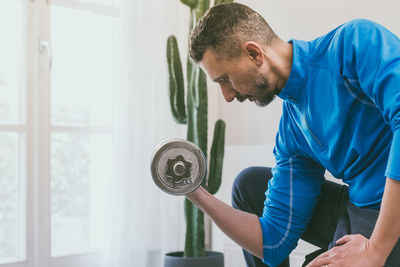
12 132
58 72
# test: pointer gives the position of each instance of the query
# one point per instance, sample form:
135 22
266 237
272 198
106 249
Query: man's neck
281 54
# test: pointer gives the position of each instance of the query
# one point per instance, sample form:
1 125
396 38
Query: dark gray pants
333 216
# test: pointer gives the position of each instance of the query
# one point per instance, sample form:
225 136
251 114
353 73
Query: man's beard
262 96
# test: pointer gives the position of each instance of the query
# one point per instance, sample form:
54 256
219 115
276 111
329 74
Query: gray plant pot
176 259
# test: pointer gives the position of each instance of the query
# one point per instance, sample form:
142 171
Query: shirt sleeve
371 54
292 194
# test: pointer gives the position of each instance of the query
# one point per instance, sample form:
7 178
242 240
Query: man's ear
253 51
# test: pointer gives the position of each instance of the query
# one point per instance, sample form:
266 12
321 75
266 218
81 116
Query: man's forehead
208 58
213 56
213 64
208 64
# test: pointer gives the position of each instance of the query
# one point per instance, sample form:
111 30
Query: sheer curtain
143 222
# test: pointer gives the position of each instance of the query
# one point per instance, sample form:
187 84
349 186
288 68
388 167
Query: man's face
240 78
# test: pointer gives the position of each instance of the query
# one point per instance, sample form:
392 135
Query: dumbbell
178 167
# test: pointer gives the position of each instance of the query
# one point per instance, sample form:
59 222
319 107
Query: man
341 112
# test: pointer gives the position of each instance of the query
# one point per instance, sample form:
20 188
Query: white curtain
143 222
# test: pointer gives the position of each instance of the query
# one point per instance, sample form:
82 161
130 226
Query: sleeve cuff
273 255
393 166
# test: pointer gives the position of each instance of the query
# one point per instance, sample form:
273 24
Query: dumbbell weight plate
178 166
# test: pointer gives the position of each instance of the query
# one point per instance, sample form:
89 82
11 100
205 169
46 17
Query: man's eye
225 80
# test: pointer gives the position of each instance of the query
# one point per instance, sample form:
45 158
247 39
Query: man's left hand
352 250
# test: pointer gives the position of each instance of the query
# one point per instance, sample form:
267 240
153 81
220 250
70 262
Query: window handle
44 47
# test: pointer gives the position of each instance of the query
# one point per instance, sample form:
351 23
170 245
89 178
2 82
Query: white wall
306 20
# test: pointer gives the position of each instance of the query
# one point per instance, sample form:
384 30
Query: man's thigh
331 205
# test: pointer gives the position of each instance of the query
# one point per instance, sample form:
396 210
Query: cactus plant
194 113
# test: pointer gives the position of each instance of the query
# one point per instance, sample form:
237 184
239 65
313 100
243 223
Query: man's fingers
343 240
323 255
320 261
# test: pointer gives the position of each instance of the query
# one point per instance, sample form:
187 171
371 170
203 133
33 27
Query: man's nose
228 92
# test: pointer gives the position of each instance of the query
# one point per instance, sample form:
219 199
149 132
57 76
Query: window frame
37 127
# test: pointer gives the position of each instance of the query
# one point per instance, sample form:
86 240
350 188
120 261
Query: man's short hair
224 28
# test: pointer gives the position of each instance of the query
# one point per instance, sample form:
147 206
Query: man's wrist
193 196
378 251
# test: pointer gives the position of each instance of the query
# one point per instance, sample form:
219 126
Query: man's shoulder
351 27
360 23
328 48
357 25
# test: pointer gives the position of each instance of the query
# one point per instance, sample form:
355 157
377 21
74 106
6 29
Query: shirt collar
298 72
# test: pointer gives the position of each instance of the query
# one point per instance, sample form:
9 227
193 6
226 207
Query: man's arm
291 196
286 213
356 250
387 228
242 227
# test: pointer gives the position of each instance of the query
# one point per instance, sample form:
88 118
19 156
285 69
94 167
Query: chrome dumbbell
178 166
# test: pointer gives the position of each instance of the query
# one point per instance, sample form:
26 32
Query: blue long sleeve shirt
341 112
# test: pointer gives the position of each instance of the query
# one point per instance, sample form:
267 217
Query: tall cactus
195 115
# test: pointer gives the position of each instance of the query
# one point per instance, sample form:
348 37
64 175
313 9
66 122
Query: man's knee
242 179
247 184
